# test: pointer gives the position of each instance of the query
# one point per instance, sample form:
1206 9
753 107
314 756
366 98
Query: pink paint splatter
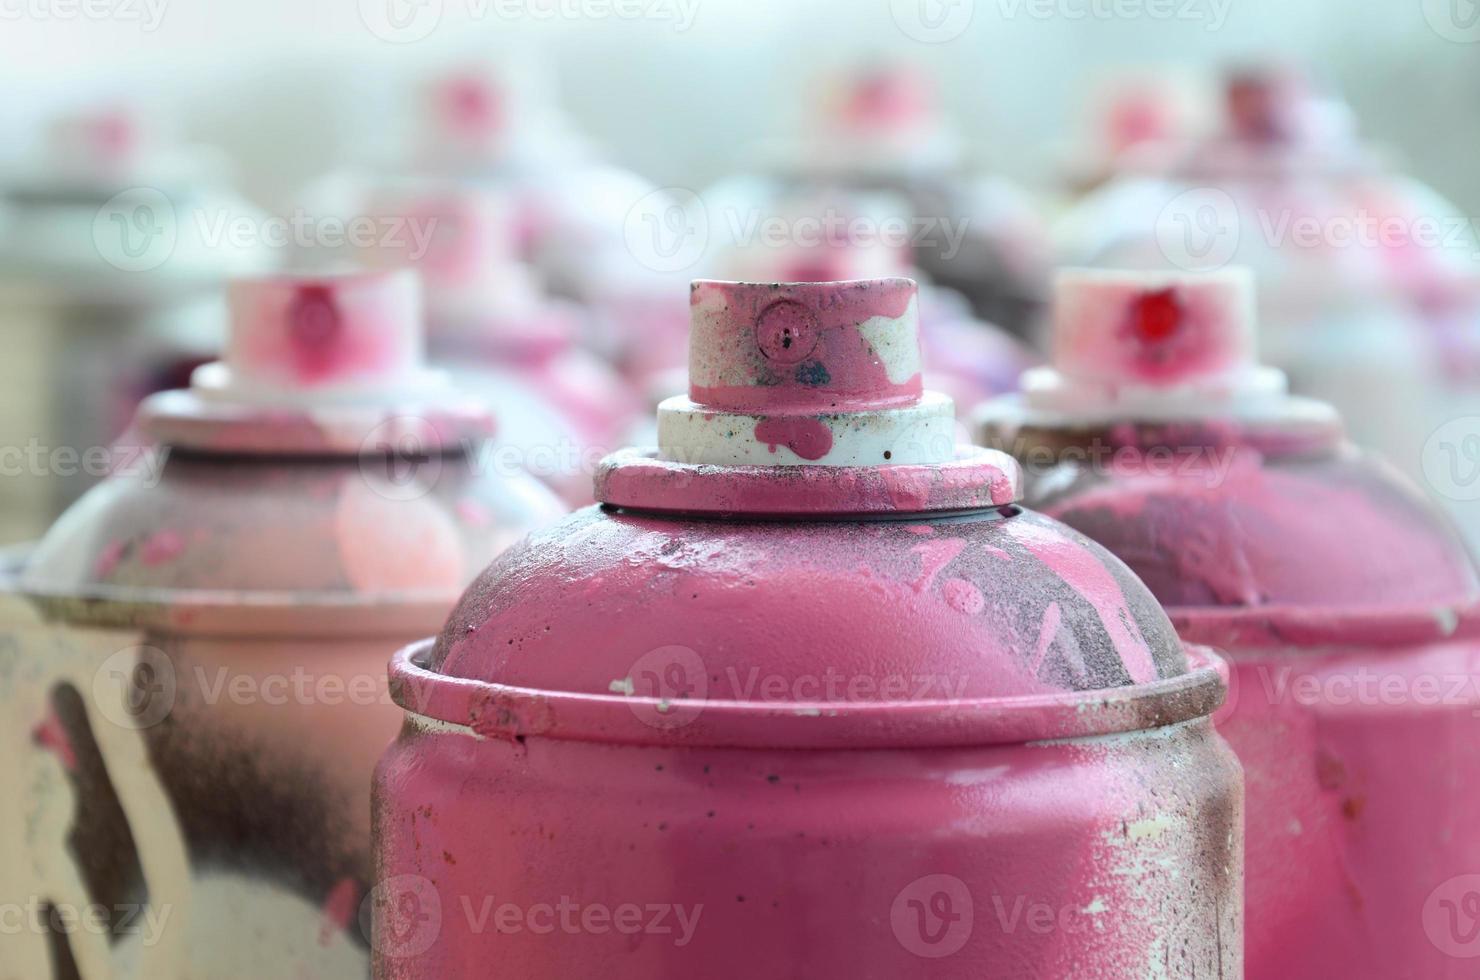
50 734
473 513
1088 576
162 547
108 559
963 596
339 909
807 437
314 330
934 557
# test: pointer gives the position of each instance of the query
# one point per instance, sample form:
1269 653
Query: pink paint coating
797 347
808 438
306 332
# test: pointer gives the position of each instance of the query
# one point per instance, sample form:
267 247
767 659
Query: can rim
976 478
502 712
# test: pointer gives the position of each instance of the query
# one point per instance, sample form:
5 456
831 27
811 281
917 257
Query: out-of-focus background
677 88
580 160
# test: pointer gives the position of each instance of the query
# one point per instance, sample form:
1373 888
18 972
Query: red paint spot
807 437
50 734
162 547
314 329
1156 316
339 909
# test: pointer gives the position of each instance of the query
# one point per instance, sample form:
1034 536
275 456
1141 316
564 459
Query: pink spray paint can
561 409
1341 596
880 125
1364 301
809 695
193 657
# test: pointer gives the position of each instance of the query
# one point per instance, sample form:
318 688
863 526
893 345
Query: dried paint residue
809 438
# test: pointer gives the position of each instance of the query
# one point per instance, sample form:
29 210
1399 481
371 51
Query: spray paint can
110 289
1341 596
193 696
561 409
810 695
1368 298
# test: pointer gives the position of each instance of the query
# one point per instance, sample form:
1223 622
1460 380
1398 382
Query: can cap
312 339
820 373
1155 346
807 398
317 363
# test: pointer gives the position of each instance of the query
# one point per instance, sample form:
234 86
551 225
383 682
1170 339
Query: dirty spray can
1342 598
110 289
810 695
193 657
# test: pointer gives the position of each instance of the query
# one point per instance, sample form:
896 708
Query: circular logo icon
932 916
136 230
1199 229
1451 459
1451 917
405 916
401 458
135 688
673 684
401 21
667 230
932 21
1454 20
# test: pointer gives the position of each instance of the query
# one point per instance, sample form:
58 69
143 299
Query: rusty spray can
110 289
1341 596
193 657
809 695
